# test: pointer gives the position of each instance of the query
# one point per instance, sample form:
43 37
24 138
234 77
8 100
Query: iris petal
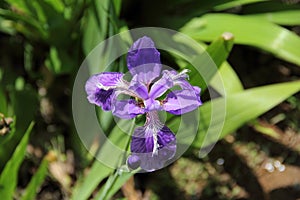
138 88
143 59
142 146
182 101
161 86
100 88
126 109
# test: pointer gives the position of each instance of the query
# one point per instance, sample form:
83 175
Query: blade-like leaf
240 108
117 184
288 18
36 181
229 82
97 173
118 142
235 3
95 28
9 175
262 34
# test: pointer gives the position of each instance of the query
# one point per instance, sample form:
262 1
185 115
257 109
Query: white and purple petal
143 59
100 88
182 101
126 109
104 80
102 98
179 79
143 142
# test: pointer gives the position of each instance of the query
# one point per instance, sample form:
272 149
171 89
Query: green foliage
258 33
9 175
240 108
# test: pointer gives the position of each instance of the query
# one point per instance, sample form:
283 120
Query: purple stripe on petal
142 141
102 98
100 88
144 59
142 146
182 101
126 109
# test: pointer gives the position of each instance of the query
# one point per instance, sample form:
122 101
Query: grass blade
9 175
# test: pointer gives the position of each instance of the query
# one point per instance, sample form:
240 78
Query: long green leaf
240 108
118 141
288 18
258 33
235 3
118 183
229 82
95 27
9 176
36 181
97 173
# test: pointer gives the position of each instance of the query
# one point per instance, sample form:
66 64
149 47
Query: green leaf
261 34
235 3
9 176
118 182
120 139
3 103
97 173
228 82
24 104
220 48
224 81
240 108
95 27
287 18
36 181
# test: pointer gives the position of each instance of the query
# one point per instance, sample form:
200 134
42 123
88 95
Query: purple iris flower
150 90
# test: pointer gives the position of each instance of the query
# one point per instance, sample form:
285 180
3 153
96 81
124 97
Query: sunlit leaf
259 33
288 18
240 108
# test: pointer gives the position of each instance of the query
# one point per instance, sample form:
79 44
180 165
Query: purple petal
142 146
179 78
126 109
100 88
143 59
152 104
161 86
102 98
104 80
182 101
133 162
142 141
138 88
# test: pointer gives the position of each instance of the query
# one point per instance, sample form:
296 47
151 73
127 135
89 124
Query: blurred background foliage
43 43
